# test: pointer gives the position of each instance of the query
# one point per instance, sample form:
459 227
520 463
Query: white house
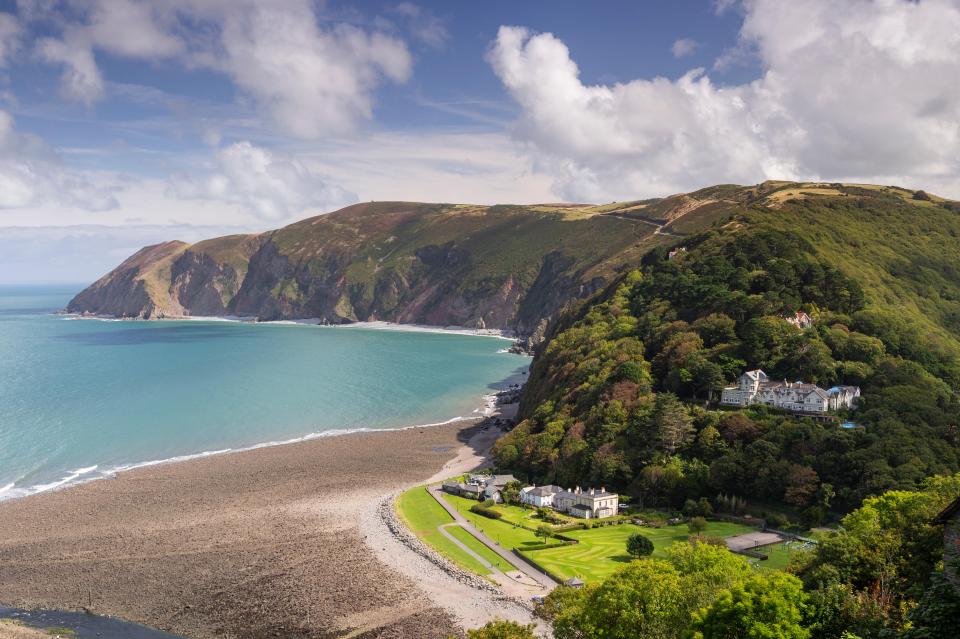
592 503
755 387
539 496
843 397
800 320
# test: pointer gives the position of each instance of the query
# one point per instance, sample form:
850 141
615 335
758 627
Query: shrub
638 545
777 520
480 509
697 525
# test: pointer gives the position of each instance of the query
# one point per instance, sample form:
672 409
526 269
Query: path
543 580
657 231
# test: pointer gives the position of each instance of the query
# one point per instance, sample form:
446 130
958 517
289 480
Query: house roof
544 491
501 480
949 512
574 581
472 488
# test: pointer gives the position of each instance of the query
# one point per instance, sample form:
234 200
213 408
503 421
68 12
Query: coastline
310 321
279 539
95 470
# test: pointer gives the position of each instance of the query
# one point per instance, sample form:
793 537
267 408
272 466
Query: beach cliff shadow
179 334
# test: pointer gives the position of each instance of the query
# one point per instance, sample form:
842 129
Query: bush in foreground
639 546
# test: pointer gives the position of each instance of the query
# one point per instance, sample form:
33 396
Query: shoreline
377 325
93 472
219 545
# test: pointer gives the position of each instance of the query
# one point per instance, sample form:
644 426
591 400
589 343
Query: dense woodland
623 394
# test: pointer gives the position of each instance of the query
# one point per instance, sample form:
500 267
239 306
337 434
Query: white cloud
31 174
422 24
269 186
9 36
431 166
861 90
81 79
683 47
310 80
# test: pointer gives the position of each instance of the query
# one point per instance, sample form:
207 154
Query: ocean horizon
82 399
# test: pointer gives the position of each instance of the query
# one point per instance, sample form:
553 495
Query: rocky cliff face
505 267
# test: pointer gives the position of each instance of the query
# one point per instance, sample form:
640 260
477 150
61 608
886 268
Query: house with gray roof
593 503
495 484
539 496
755 387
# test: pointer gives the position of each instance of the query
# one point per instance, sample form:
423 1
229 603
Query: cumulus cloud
310 80
861 90
270 186
683 47
31 173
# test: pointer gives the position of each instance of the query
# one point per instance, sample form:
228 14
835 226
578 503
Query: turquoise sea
83 398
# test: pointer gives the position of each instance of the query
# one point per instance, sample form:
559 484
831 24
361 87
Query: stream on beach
84 625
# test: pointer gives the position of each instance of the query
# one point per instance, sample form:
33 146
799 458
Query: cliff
505 267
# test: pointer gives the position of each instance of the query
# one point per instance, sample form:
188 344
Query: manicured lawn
501 531
601 551
526 516
422 515
474 544
778 555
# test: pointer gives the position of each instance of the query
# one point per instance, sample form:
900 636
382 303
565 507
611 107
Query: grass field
527 516
778 556
501 531
602 550
476 546
422 514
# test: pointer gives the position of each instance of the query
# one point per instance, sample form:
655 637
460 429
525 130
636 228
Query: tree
500 629
671 423
697 525
650 599
511 492
544 531
802 484
766 606
544 513
638 545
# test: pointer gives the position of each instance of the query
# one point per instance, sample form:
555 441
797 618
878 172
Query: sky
126 122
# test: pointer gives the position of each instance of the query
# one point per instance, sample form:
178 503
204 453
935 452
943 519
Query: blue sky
124 122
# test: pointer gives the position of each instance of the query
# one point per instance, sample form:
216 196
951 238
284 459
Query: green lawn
476 546
422 514
501 531
527 516
602 550
778 555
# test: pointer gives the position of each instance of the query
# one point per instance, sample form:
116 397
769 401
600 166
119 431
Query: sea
83 399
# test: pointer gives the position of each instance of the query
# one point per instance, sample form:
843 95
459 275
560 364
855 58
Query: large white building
755 387
593 503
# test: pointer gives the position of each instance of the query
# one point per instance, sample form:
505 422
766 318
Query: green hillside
507 267
624 391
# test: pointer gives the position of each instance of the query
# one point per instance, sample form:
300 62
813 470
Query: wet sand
264 543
